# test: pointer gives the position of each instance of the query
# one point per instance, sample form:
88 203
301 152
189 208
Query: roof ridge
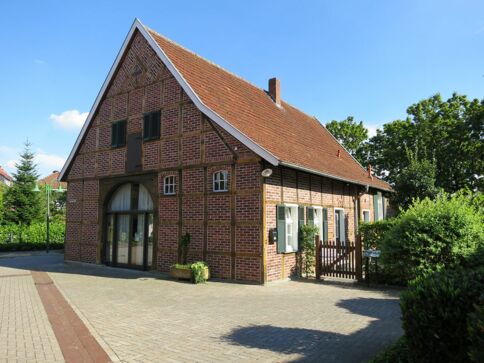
205 59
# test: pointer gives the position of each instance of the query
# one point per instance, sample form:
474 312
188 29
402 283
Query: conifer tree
21 203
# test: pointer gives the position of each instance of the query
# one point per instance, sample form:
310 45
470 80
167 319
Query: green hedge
29 246
372 234
395 353
34 233
431 236
442 316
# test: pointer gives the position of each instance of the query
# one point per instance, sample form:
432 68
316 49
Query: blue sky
369 59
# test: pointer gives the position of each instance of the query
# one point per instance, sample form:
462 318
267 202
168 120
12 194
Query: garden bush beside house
429 236
436 247
15 237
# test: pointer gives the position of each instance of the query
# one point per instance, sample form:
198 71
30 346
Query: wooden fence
339 259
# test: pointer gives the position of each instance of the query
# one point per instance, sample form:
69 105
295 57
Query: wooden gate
339 259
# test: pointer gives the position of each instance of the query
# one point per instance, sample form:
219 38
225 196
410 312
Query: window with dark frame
151 125
118 134
169 185
221 181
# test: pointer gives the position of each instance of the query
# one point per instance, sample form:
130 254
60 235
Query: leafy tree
387 149
22 205
416 180
2 209
448 132
351 135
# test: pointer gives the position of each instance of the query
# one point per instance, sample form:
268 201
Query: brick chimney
275 90
370 172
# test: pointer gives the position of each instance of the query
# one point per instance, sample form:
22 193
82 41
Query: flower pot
181 273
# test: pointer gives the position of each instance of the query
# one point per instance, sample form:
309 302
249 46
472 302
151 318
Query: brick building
176 144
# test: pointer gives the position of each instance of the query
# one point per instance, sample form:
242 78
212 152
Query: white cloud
7 149
46 161
40 62
371 130
69 120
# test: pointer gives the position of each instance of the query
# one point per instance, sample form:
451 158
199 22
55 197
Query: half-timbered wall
225 227
295 187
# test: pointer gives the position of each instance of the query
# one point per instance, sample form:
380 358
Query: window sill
288 252
220 191
152 138
117 146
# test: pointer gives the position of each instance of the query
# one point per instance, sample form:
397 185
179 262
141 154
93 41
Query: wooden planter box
181 273
186 274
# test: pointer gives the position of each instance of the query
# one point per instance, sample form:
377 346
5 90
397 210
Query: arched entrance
129 227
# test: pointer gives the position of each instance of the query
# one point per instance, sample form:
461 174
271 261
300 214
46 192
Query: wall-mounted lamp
266 173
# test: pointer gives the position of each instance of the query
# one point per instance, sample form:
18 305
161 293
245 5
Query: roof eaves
335 177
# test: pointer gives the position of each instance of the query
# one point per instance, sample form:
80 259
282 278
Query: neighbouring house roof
53 180
6 175
282 135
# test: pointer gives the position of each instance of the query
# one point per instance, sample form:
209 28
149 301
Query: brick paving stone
139 317
144 318
25 331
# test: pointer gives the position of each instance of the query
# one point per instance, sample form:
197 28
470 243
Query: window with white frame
169 185
378 206
291 228
339 225
318 220
366 215
288 224
221 181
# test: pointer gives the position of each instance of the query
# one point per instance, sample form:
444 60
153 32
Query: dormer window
221 181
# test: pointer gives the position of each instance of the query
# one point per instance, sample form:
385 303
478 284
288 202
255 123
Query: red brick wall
225 227
291 186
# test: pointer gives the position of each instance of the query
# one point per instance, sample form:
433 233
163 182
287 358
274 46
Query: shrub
198 272
29 246
395 353
475 329
430 236
307 256
435 311
35 232
373 233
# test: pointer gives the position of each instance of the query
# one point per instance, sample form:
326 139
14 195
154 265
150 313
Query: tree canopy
351 135
445 138
448 132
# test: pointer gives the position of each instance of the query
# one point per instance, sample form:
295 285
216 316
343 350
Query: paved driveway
138 317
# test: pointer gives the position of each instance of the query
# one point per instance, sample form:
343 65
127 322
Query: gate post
317 246
359 258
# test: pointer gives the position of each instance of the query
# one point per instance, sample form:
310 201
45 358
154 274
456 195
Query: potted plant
196 272
200 272
182 270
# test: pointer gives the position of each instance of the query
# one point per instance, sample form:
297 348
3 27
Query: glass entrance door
129 231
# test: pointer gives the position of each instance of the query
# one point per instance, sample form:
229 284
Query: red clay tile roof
53 180
4 173
286 132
